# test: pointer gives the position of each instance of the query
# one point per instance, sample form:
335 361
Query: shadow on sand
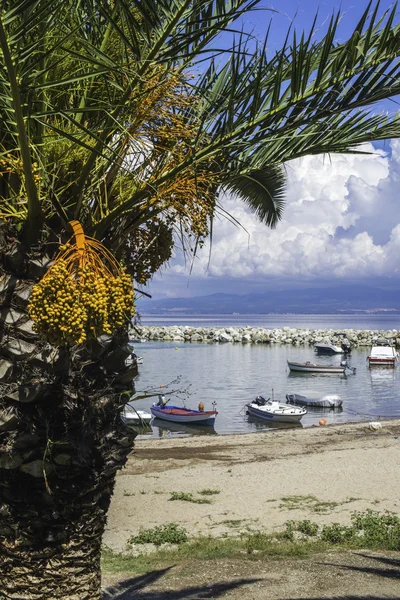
133 588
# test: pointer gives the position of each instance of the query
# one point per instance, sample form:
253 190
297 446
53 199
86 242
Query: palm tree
125 115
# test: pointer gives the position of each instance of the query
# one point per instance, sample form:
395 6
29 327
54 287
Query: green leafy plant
306 527
209 492
161 534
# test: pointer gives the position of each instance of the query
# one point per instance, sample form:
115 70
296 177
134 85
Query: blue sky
341 223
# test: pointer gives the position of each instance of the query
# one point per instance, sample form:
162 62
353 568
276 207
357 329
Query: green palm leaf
263 190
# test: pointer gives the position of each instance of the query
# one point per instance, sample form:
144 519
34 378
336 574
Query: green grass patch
311 503
368 530
162 534
209 492
184 497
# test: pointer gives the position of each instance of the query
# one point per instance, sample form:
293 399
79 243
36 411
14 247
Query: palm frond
263 190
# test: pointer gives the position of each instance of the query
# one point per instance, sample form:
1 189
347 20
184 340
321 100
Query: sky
341 222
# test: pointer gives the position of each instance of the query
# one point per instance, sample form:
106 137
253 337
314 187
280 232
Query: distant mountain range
333 300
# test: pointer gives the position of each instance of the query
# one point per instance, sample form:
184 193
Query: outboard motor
260 401
161 401
346 348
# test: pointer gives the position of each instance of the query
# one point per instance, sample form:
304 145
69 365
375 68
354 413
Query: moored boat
326 401
132 359
327 348
131 416
386 356
181 414
275 411
309 367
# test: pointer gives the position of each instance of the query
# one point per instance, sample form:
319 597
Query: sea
228 376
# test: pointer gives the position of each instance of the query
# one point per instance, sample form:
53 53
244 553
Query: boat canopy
383 352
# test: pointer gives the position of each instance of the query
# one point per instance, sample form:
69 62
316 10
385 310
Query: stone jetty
259 335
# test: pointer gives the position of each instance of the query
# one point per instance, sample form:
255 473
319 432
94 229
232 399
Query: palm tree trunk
61 443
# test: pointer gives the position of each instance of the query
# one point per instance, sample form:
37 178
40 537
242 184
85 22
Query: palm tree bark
61 442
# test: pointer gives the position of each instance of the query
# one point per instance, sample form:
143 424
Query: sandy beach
260 480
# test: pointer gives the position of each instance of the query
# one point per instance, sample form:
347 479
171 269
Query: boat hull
182 415
328 349
381 362
262 413
314 368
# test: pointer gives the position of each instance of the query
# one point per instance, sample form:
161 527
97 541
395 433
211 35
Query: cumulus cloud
341 221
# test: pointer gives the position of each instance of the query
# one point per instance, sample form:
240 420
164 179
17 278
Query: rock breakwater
259 335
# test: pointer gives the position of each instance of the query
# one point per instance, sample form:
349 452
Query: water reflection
165 428
263 424
300 374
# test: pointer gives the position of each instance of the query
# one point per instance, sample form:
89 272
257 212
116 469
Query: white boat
327 401
326 348
275 411
309 367
133 358
131 416
386 356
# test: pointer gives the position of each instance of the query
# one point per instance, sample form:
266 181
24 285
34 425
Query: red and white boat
383 356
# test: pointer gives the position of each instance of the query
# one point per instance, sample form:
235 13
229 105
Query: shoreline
260 480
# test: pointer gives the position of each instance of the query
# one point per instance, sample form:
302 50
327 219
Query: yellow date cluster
71 307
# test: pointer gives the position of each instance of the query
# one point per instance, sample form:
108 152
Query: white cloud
341 221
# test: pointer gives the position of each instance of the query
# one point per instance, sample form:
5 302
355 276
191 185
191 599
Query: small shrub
208 492
377 530
161 534
336 534
288 534
307 527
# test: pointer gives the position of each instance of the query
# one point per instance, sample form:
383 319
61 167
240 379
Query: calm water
338 322
233 374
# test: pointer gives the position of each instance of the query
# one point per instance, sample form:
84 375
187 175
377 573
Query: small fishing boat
327 401
181 414
275 411
385 356
131 416
309 367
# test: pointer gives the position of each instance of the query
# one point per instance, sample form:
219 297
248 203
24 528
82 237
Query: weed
161 534
297 502
306 527
336 533
311 503
232 522
324 507
188 498
126 493
209 492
